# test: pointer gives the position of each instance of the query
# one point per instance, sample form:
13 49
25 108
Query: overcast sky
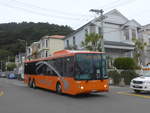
74 13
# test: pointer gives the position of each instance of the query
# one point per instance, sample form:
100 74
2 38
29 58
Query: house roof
118 43
95 19
110 12
78 29
116 11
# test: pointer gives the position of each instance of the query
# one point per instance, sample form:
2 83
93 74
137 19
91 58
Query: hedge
125 63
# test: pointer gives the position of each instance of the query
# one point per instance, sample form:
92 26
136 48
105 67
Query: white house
50 44
118 33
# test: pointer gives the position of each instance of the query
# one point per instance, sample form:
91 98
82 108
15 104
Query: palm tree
92 42
138 50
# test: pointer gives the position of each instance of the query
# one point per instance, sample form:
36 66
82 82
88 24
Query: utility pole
26 45
1 66
100 12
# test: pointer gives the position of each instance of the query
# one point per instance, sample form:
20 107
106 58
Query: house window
42 54
46 43
67 43
42 43
133 33
92 29
86 31
46 53
100 30
74 41
126 34
29 50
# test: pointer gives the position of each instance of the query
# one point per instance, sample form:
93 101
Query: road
16 97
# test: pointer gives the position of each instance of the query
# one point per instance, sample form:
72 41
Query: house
118 32
50 44
32 51
145 34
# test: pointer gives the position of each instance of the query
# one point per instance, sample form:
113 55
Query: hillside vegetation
13 36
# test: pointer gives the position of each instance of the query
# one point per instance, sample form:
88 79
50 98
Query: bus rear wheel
33 84
30 83
58 88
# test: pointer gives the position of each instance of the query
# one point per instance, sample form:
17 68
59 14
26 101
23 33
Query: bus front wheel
58 88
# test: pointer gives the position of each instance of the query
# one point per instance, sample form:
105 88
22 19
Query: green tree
4 54
92 42
10 33
138 50
11 66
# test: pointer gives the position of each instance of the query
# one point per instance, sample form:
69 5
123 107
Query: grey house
118 33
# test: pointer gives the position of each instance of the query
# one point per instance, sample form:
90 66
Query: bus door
42 76
68 73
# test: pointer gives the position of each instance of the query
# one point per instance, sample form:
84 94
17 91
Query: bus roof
63 53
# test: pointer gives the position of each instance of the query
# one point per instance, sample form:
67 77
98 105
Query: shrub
115 76
128 76
124 63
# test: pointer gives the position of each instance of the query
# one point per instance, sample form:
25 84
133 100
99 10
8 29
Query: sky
73 13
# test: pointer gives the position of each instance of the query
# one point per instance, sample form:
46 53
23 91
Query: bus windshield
90 67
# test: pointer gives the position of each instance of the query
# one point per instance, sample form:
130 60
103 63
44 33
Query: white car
141 83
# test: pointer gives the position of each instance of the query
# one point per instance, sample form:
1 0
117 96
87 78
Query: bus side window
49 70
30 68
59 66
68 66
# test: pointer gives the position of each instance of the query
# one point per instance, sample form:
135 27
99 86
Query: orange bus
69 72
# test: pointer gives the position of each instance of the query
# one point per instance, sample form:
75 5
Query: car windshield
146 73
90 67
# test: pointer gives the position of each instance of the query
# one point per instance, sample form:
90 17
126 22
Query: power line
52 11
121 3
111 3
47 10
39 13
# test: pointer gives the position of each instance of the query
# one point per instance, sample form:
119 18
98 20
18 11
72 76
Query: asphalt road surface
16 97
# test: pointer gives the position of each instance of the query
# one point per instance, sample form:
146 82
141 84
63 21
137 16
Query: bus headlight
105 86
82 87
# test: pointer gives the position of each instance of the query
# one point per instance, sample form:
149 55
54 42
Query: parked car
141 83
2 75
12 76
